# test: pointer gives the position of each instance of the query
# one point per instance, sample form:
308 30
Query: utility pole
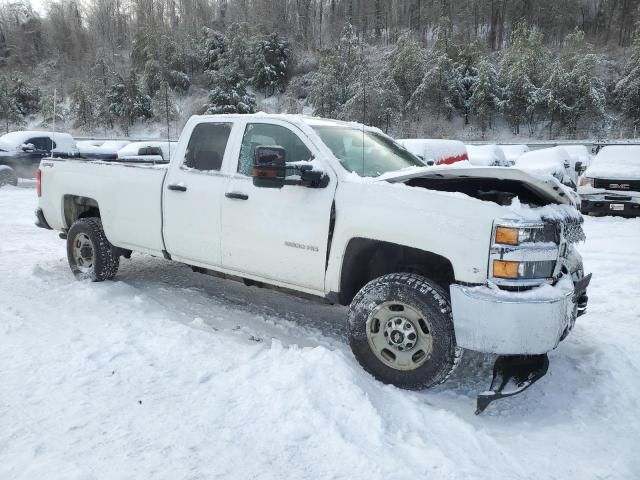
54 109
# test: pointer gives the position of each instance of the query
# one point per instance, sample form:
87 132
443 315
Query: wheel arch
78 206
366 259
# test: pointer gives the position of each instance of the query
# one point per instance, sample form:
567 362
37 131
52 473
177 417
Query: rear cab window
206 147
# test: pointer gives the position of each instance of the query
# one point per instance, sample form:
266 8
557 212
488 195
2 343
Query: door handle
177 187
237 195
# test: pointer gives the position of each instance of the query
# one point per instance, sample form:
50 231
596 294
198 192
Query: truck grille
617 185
574 233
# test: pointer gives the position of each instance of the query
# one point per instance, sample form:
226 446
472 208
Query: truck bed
129 195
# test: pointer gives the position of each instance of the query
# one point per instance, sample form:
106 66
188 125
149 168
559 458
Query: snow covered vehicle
21 152
579 158
434 151
101 149
611 184
151 151
513 151
487 155
430 260
554 161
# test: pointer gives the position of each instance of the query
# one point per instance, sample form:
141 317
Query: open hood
497 184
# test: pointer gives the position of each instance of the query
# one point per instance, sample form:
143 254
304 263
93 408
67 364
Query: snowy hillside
167 374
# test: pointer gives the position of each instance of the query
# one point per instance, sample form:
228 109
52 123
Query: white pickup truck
431 260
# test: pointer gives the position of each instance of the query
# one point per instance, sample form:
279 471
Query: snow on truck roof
291 118
64 142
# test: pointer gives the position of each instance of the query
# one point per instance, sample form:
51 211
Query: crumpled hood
545 185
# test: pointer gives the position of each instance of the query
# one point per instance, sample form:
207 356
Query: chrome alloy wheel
399 335
83 252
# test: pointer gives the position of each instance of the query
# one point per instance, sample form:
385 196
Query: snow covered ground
168 374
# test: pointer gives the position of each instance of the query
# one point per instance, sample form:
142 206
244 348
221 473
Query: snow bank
616 162
486 155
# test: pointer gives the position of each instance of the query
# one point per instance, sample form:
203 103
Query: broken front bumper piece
520 326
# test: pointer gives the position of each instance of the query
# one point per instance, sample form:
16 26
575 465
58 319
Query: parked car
101 149
580 159
611 184
554 161
21 152
434 151
487 155
513 151
151 151
344 213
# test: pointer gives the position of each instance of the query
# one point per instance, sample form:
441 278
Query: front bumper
611 205
529 322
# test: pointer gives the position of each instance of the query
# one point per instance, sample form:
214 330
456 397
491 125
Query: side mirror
312 178
27 147
579 167
269 166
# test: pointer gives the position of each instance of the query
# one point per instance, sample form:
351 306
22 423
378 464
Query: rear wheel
89 253
401 331
8 176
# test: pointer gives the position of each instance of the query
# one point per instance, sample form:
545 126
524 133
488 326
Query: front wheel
89 253
401 331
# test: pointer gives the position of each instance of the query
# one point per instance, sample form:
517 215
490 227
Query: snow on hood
546 185
616 162
556 212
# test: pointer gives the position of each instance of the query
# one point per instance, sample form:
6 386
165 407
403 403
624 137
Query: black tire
104 263
8 176
426 298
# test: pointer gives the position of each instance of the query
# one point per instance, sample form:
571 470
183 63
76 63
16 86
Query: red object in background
449 160
39 182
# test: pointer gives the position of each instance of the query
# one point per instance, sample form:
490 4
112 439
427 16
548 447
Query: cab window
257 134
40 143
206 147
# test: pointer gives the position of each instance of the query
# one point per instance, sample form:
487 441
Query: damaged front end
536 285
536 289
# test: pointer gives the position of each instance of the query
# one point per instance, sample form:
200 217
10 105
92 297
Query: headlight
524 253
586 181
525 234
516 270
